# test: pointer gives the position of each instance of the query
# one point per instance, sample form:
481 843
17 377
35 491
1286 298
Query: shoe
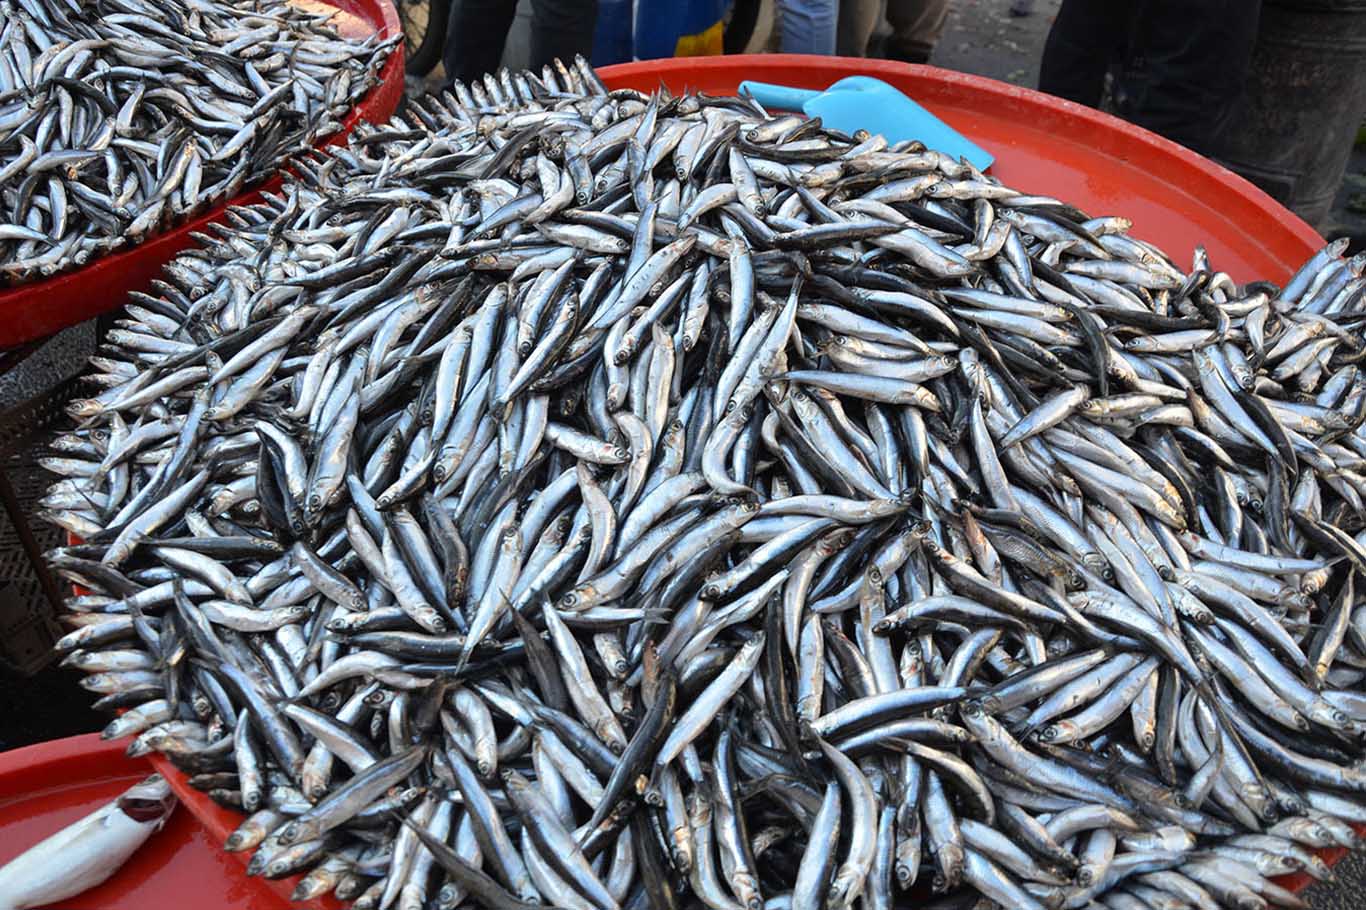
893 51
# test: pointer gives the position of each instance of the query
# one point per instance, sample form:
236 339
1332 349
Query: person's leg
739 30
857 20
1188 65
561 28
808 26
916 27
475 38
1086 39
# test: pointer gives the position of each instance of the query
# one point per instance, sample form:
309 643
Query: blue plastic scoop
862 102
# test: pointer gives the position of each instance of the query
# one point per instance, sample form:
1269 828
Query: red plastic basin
46 787
1044 144
40 308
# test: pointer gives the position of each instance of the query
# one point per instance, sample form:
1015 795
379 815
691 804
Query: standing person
1179 65
808 26
479 29
916 27
857 21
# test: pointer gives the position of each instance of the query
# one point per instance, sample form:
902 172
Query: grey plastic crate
33 389
28 627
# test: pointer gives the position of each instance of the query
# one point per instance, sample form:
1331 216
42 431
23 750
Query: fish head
584 594
277 867
1056 733
150 802
431 619
972 709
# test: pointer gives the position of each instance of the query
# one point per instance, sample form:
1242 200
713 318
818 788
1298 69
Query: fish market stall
624 499
159 149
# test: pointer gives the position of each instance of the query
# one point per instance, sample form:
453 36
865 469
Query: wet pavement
983 37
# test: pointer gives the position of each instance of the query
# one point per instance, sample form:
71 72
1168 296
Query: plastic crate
27 627
35 382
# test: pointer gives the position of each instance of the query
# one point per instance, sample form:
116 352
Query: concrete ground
983 38
1349 208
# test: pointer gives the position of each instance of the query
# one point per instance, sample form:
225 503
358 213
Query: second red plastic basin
40 308
1043 144
1176 198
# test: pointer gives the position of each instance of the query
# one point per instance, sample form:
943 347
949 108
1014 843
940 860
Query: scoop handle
779 97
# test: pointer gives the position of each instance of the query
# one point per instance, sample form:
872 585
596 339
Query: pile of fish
120 117
595 499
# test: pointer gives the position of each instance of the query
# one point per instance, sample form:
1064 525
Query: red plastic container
1044 144
46 787
40 308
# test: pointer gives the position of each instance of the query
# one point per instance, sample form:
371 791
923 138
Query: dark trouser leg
857 21
561 28
1087 38
475 38
1189 63
916 27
